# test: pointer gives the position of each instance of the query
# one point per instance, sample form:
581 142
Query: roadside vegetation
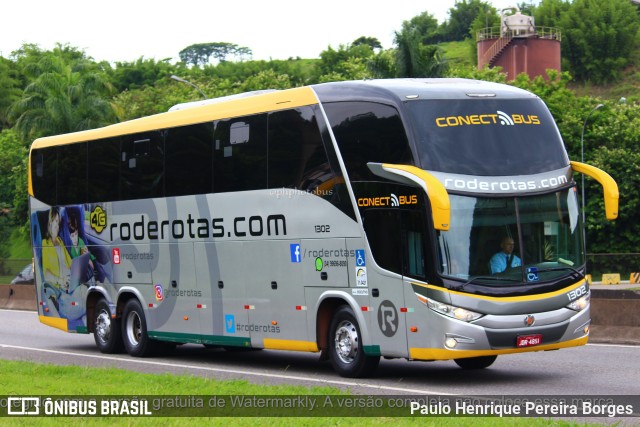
52 380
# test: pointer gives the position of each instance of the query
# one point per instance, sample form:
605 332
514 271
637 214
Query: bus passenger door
220 269
383 272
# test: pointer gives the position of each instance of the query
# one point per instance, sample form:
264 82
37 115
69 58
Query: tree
461 16
140 73
549 12
372 42
201 53
598 38
268 79
12 153
486 18
562 102
422 28
621 235
9 90
65 97
341 63
414 59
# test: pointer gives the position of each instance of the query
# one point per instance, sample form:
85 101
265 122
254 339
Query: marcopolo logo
498 118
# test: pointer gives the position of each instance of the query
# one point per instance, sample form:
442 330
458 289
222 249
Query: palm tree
66 96
414 59
9 91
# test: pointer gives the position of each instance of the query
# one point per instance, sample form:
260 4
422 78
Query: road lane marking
233 371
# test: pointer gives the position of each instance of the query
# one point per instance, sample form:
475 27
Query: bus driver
504 259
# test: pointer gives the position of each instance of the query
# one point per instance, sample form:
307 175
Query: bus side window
413 233
72 174
189 160
103 170
368 132
379 224
404 254
142 166
296 154
44 166
240 154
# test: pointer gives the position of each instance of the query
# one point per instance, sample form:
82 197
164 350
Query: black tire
106 330
134 331
480 362
345 346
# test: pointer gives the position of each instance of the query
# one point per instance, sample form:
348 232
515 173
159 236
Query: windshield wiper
494 278
544 270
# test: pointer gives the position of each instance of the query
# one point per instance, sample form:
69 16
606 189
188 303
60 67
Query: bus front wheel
345 346
106 330
134 331
479 362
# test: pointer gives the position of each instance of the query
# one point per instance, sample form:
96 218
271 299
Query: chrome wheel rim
103 326
346 342
134 328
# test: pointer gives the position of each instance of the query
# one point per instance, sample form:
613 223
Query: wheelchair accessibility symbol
360 262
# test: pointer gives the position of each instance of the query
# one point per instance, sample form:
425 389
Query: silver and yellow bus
425 219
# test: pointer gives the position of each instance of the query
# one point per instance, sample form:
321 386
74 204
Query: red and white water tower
518 46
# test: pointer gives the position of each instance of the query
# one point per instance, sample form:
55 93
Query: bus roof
412 89
384 90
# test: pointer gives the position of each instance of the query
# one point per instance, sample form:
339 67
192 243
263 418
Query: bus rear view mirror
609 187
414 176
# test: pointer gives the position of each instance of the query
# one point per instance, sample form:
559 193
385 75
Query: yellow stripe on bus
56 322
445 354
505 299
294 345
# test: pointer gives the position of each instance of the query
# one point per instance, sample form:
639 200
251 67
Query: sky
125 30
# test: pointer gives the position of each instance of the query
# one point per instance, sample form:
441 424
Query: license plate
529 340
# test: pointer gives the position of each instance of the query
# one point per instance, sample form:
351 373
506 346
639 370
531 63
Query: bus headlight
581 303
453 311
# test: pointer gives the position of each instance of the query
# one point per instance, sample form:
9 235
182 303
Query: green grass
457 53
29 379
20 246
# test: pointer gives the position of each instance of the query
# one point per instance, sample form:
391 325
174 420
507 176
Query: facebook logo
230 323
296 256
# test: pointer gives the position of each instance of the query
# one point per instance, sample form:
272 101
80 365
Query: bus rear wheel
345 346
134 331
106 330
479 362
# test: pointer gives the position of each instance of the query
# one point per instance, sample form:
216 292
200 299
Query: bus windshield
487 137
528 240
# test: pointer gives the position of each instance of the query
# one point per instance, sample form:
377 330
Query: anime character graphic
65 279
79 247
56 261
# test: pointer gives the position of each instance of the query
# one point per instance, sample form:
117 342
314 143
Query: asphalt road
595 369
